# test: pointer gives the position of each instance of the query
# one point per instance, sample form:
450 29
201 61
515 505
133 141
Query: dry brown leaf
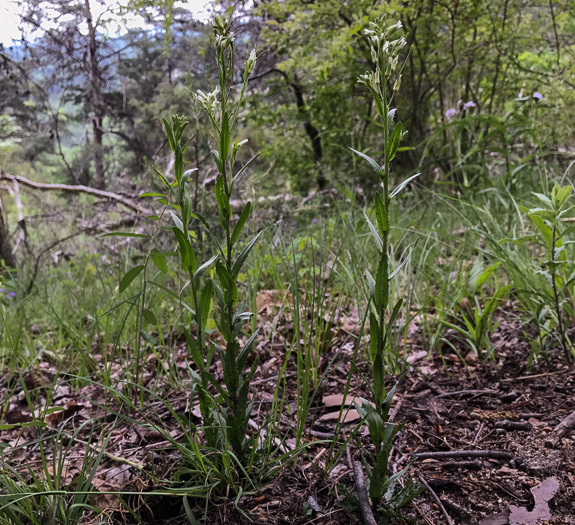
269 300
349 416
13 417
336 400
542 494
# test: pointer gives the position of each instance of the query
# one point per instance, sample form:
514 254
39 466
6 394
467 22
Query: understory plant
383 315
556 299
211 288
479 325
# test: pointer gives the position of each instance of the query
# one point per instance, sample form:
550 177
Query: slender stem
564 344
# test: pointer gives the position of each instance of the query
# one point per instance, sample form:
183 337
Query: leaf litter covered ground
483 435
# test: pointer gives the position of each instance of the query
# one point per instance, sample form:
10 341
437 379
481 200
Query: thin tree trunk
97 101
6 254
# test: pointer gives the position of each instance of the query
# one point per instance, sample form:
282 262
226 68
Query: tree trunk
96 100
6 254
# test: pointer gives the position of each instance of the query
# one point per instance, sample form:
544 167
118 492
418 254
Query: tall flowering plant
383 83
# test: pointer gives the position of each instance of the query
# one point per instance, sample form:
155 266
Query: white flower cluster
251 63
379 35
209 101
223 34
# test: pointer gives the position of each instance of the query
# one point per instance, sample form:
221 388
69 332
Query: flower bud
251 62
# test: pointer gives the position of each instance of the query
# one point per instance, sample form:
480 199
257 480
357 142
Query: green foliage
383 316
225 417
557 266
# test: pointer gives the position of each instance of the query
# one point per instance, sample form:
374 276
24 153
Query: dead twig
395 410
450 454
361 489
513 425
468 393
437 500
75 189
560 431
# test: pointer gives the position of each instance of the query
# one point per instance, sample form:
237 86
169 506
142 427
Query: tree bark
6 254
311 131
97 101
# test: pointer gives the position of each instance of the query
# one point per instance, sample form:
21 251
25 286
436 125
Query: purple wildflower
292 225
2 290
468 105
12 294
537 96
451 112
314 220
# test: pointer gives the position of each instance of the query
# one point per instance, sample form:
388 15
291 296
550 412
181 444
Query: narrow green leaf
244 255
205 301
381 215
153 194
561 196
148 338
544 199
243 356
10 426
163 179
224 207
130 276
242 220
245 167
195 351
159 260
205 266
404 184
183 243
225 137
485 275
125 234
170 134
393 141
374 233
372 163
227 282
149 316
382 283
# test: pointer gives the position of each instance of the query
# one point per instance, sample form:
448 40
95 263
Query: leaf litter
445 409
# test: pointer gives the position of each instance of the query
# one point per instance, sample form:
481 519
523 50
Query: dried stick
444 454
361 490
561 430
362 494
468 393
513 425
437 500
22 234
74 189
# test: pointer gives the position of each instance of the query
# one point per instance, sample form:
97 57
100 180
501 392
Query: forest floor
487 431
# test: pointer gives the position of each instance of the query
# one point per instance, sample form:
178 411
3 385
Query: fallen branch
75 189
450 454
561 430
364 503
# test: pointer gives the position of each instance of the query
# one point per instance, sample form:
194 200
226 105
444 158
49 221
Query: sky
10 19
